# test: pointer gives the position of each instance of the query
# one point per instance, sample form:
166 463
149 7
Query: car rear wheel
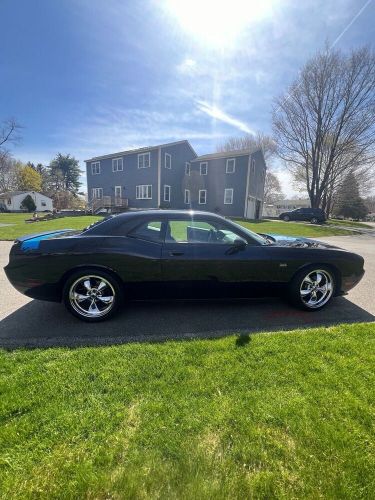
92 295
312 288
286 218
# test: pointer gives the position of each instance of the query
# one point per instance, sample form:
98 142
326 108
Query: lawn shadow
43 324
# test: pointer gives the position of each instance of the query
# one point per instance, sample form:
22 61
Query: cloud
220 115
187 66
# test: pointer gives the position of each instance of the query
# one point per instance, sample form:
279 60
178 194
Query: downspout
247 187
159 175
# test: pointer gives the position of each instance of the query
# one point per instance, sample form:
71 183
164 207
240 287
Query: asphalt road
31 323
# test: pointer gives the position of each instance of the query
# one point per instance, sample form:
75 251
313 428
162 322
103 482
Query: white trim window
168 161
97 193
253 166
202 196
144 160
228 196
203 168
187 197
95 168
230 167
117 165
187 168
143 192
167 192
118 191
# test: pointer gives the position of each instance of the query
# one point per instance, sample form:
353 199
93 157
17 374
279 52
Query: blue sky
90 77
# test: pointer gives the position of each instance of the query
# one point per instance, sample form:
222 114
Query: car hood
281 240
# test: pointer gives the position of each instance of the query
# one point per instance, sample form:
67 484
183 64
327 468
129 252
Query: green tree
349 203
28 179
28 204
64 174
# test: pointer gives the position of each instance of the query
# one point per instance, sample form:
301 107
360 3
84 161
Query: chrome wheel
92 296
316 288
286 218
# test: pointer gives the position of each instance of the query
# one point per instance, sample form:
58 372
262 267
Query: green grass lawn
19 227
348 223
293 228
281 415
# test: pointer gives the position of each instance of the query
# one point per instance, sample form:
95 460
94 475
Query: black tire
97 285
299 294
314 220
286 218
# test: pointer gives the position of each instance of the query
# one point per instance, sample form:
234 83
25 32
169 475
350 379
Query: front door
118 196
202 257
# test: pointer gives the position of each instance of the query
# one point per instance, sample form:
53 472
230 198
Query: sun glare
218 22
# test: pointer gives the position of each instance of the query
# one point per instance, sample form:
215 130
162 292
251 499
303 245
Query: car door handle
175 254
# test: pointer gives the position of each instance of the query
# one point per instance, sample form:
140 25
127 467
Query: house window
167 193
168 161
144 192
97 193
117 165
187 168
144 160
118 190
9 201
187 196
44 204
230 166
202 196
253 166
95 168
228 196
203 168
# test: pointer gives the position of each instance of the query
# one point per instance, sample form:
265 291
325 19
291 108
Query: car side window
149 231
196 231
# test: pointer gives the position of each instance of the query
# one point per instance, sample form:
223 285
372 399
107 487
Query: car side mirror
239 243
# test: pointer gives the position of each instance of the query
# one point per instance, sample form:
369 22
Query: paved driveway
31 323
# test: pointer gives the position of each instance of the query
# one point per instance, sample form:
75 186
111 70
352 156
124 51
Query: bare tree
8 172
272 189
252 143
9 132
324 125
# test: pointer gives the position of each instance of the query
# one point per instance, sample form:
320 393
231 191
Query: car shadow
43 324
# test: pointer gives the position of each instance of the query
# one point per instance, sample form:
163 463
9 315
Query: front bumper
349 282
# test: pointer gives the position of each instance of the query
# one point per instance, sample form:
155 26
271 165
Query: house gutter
247 187
159 175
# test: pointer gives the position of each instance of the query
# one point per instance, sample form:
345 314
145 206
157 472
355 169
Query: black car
314 215
174 253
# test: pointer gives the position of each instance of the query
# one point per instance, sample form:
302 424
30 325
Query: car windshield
255 236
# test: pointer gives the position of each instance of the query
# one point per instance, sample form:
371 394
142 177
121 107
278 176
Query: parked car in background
313 215
171 253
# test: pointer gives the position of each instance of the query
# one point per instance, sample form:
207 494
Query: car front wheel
314 220
92 295
312 288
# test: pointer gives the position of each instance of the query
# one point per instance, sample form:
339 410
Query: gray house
173 176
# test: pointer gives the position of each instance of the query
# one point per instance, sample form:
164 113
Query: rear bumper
34 288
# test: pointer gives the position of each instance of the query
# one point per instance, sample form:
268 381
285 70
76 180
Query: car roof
166 213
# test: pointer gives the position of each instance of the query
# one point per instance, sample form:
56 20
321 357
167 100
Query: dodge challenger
172 253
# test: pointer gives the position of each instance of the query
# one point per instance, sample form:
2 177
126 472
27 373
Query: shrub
28 204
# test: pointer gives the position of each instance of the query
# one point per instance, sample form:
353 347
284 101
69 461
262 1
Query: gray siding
181 154
245 180
216 181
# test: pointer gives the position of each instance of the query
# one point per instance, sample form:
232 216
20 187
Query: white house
12 201
285 206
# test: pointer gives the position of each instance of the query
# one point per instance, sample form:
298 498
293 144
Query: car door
205 258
